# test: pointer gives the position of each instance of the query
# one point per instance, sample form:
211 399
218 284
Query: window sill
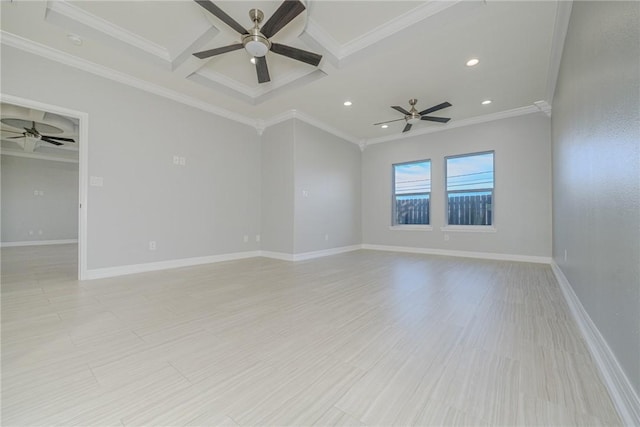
470 228
409 227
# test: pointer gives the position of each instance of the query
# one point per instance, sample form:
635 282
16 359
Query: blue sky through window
470 172
413 177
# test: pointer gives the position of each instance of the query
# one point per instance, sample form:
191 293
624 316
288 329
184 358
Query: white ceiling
376 54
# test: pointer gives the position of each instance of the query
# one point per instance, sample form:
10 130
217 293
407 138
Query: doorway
40 140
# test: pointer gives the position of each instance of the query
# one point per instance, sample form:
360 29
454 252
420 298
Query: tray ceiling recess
206 31
256 41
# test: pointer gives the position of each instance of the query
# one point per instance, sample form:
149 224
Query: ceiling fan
256 40
32 132
413 116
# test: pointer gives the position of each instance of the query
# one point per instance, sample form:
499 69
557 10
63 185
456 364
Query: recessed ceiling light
253 60
384 126
348 103
486 102
472 62
75 39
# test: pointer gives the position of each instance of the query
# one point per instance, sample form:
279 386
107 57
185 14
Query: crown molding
381 32
96 23
254 95
560 28
30 46
39 156
459 123
543 106
297 114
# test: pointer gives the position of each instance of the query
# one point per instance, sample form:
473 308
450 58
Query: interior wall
203 208
277 188
327 190
39 200
596 169
522 194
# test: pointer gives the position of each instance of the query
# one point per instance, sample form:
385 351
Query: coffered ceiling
375 54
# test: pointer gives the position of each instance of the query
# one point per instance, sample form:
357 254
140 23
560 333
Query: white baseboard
620 389
463 254
38 243
100 273
309 255
283 256
325 252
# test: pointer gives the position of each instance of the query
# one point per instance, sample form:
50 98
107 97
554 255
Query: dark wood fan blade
50 141
59 138
219 13
217 51
407 128
16 137
288 10
435 119
435 108
262 69
402 110
388 121
11 131
297 54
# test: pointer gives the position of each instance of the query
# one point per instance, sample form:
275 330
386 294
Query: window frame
420 227
470 227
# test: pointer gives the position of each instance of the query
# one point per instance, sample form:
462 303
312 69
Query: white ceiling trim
297 114
39 156
96 23
21 43
377 34
543 106
255 96
561 25
111 74
457 124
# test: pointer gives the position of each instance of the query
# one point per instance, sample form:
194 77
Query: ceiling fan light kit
257 40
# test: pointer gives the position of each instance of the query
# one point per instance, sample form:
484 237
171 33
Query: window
470 189
411 193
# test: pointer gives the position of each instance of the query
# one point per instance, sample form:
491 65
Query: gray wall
596 169
310 189
522 212
204 208
52 214
278 188
327 190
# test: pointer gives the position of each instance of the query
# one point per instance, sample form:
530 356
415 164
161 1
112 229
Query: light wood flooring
363 338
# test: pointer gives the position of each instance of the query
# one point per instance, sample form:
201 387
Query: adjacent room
320 212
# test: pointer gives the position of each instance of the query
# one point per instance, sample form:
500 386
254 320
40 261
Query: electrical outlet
446 237
257 237
326 237
246 238
183 161
152 245
96 181
565 255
